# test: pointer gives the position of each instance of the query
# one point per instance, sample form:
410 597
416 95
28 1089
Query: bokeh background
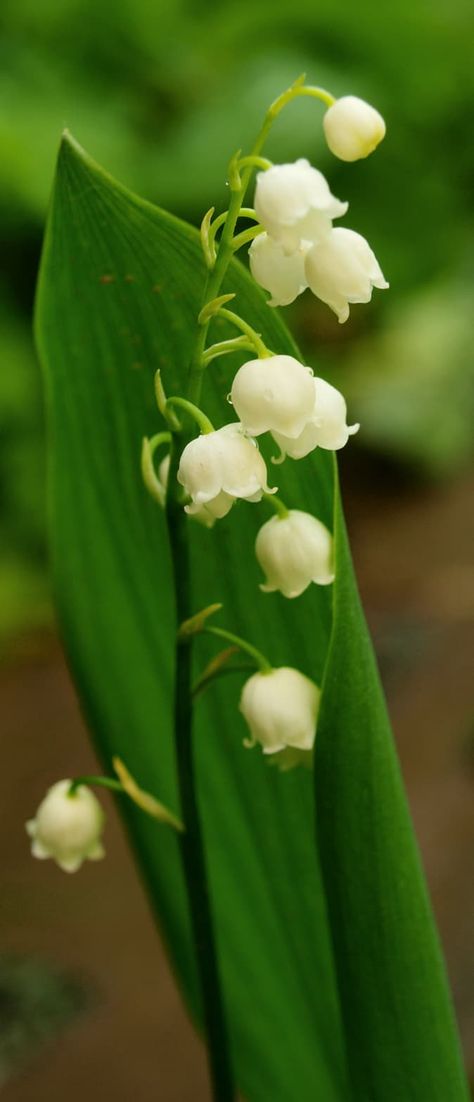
161 92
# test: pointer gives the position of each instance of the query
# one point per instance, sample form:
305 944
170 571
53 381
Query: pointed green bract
119 293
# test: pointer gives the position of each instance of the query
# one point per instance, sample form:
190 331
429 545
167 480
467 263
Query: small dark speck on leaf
157 289
137 366
107 279
130 279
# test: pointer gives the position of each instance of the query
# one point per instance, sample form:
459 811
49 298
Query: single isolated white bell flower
218 467
281 707
68 827
326 427
342 269
282 275
293 202
273 393
293 551
353 128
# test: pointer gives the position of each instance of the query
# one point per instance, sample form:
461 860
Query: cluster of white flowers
300 248
296 246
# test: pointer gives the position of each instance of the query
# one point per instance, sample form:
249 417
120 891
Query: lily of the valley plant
197 472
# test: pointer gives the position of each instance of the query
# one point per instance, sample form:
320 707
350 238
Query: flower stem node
281 707
342 270
67 826
353 128
273 269
219 467
294 551
325 428
273 394
144 800
293 203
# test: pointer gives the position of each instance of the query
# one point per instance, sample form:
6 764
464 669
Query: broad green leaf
120 288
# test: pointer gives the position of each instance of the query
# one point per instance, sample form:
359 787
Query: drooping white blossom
326 427
205 514
281 709
293 551
275 393
342 269
273 269
294 204
353 128
67 827
219 466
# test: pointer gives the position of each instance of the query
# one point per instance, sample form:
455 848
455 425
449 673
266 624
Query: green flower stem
198 416
279 506
222 348
247 235
259 658
191 841
101 782
255 338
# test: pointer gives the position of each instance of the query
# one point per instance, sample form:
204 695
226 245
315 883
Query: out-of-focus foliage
36 1003
162 93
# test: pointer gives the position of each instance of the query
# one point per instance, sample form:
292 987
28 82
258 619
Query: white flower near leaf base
326 427
204 514
275 393
353 128
220 466
280 708
342 269
281 274
294 204
293 551
67 827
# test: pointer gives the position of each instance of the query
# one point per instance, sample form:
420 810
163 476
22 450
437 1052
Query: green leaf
119 293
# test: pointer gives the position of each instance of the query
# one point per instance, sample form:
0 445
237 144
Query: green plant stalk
192 845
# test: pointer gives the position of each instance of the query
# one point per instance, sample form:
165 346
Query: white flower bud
353 128
282 275
326 427
280 708
220 466
342 269
294 551
67 828
273 393
294 204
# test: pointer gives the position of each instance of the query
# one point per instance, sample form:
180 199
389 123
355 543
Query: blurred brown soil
413 551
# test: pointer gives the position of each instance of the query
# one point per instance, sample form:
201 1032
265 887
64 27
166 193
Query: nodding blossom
67 827
342 269
205 514
293 551
293 203
326 426
280 707
353 128
218 467
273 394
273 269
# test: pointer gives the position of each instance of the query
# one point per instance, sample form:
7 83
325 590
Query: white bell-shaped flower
342 269
326 427
293 202
67 827
293 551
353 128
282 275
220 466
275 393
205 514
281 707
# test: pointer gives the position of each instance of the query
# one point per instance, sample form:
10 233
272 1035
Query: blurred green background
161 93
